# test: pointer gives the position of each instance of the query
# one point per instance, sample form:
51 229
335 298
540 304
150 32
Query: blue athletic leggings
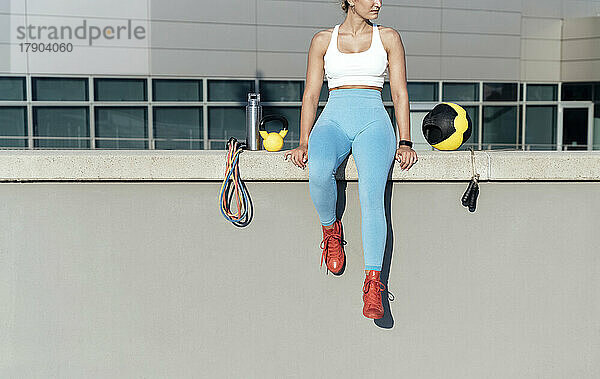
354 119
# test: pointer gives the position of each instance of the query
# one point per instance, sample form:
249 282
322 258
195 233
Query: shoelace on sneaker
337 238
375 295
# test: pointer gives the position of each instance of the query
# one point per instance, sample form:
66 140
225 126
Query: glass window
386 92
542 92
117 143
540 131
499 91
281 90
13 121
324 95
422 91
230 90
576 91
13 142
499 127
224 123
597 92
460 91
292 114
120 90
121 122
12 88
177 123
176 90
59 89
473 112
390 111
61 122
596 140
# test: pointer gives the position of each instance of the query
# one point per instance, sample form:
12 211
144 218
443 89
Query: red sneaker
373 308
333 248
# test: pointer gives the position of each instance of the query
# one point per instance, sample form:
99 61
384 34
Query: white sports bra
366 67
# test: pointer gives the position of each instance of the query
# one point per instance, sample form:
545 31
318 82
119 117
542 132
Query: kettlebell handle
272 117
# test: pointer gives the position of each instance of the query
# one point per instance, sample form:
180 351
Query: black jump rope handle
465 196
469 198
473 198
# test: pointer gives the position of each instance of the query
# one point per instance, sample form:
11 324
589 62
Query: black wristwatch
405 142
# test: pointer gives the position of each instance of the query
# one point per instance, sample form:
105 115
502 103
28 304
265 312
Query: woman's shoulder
324 34
321 39
389 36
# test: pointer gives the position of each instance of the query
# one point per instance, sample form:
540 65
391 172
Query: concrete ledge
191 165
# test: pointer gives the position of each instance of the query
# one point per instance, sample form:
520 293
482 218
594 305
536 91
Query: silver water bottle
253 117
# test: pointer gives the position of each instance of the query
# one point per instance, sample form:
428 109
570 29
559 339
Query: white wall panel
467 68
203 63
540 71
540 49
137 9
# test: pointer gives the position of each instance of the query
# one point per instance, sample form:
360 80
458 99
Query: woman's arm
397 74
314 82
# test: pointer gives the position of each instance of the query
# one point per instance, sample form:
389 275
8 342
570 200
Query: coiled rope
232 176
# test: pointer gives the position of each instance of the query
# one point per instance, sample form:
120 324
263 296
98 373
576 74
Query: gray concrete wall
148 280
119 264
444 39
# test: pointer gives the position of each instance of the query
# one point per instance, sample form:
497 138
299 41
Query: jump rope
234 187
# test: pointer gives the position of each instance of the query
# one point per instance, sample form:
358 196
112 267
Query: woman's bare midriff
355 86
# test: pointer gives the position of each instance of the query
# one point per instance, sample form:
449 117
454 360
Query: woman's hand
406 156
298 155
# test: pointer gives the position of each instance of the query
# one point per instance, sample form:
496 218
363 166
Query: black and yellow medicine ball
447 126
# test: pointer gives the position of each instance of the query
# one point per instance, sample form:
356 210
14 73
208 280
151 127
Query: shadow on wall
387 321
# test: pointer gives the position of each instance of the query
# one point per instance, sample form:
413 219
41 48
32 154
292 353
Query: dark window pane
499 127
386 92
324 95
177 122
597 92
176 90
390 111
179 145
13 121
61 122
121 122
473 112
61 143
121 144
281 90
576 91
292 114
12 88
227 122
230 90
542 92
13 142
540 131
499 91
460 92
120 89
59 89
422 91
575 128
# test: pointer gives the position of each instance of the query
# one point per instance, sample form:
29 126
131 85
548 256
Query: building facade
149 74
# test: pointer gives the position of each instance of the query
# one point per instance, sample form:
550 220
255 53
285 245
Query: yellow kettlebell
273 141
